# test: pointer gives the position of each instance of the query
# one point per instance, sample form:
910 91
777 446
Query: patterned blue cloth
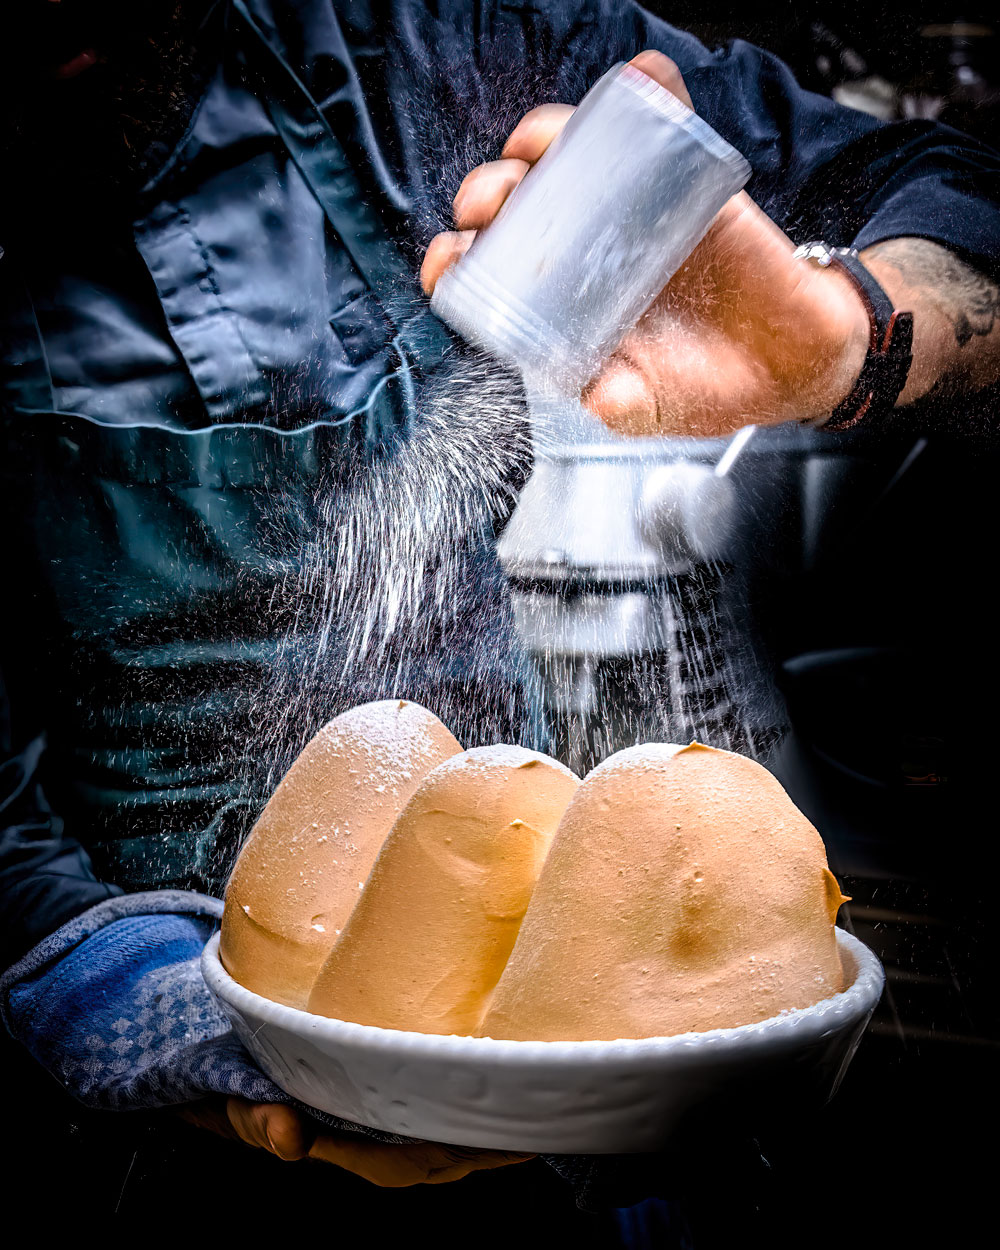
115 1007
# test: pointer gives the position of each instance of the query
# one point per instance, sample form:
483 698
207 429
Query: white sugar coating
394 733
501 755
646 757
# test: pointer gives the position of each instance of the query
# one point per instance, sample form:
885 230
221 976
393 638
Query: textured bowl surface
552 1097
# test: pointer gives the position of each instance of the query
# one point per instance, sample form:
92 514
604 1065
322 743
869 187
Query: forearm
956 316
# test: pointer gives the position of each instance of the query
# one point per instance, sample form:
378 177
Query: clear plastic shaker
595 230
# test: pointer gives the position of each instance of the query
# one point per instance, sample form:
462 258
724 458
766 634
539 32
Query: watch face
822 253
818 252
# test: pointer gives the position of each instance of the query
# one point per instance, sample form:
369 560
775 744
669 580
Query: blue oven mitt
115 1007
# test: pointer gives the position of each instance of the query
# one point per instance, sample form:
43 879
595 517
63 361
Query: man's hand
742 333
287 1134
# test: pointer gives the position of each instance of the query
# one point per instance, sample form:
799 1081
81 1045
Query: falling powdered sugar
395 736
501 755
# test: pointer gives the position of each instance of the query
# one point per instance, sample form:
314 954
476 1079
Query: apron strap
323 163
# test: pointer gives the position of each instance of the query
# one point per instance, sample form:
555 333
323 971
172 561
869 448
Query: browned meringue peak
683 891
439 914
300 873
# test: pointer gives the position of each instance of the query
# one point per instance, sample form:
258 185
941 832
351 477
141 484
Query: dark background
942 60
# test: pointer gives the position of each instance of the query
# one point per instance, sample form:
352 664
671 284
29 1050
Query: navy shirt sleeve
822 170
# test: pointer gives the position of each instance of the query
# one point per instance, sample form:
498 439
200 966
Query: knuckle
667 63
539 122
434 260
539 113
661 67
470 180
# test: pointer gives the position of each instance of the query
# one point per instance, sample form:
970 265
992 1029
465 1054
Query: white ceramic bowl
552 1097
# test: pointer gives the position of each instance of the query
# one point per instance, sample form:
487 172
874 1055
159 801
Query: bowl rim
794 1027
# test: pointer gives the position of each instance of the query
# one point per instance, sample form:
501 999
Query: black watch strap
890 346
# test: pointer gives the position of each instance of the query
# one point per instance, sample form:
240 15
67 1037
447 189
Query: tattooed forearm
956 315
969 300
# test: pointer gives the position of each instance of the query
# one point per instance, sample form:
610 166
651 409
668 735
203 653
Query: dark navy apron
159 570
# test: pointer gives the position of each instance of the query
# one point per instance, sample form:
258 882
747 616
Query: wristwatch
890 345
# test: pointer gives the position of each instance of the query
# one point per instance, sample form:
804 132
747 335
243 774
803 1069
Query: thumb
270 1126
623 397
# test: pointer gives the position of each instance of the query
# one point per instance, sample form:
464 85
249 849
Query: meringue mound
297 878
683 892
439 914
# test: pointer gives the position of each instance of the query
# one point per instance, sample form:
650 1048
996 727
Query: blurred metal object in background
616 548
961 80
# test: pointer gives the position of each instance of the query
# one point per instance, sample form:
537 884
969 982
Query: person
211 326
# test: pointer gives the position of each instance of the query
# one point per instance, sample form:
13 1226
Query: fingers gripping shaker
595 230
577 253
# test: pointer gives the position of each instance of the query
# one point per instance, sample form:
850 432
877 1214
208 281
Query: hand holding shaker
593 233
